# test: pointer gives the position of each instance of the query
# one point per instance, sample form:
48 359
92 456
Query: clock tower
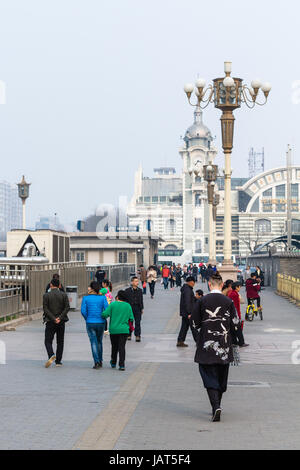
196 152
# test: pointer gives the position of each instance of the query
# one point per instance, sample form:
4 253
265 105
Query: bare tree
251 239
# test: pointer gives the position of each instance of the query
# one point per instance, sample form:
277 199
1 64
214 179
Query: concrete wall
282 263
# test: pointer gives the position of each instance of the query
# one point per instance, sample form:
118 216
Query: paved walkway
159 401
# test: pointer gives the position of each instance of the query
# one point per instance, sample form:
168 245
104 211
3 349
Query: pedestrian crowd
175 275
97 307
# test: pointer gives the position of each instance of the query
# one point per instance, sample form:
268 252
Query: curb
11 325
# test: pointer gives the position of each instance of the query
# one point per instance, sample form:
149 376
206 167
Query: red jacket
234 296
252 288
166 272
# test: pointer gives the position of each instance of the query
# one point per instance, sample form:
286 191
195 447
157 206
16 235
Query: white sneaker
217 415
50 361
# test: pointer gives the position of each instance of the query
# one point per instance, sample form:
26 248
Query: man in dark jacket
216 317
56 306
135 299
100 275
61 287
203 272
195 272
209 272
187 300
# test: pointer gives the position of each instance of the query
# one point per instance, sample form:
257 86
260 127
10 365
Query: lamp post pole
227 94
216 201
288 200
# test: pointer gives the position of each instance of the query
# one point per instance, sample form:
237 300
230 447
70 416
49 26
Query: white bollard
2 352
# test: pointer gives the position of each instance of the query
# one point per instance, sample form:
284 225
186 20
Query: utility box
72 293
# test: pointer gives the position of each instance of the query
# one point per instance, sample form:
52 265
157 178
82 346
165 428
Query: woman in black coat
178 276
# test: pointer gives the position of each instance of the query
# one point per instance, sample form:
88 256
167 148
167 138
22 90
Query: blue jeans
166 282
95 332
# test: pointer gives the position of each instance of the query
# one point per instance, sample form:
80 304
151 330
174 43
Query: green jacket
119 313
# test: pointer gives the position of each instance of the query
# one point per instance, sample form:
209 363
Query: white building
10 208
262 207
174 206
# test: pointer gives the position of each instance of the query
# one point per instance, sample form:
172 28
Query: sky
93 88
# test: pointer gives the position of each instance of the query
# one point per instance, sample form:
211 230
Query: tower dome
198 132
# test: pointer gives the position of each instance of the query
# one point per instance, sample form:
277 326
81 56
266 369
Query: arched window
295 225
263 225
171 226
170 247
148 225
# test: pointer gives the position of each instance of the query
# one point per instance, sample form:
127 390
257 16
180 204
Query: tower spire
198 115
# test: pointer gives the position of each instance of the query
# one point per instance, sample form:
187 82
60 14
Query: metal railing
70 274
10 302
33 279
118 274
289 287
30 281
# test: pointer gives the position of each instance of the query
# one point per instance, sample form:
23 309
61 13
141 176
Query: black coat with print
215 316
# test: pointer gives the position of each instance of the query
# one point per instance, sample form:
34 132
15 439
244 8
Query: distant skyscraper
49 223
10 208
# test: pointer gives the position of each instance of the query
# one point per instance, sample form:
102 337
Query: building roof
114 236
38 230
268 178
235 182
161 186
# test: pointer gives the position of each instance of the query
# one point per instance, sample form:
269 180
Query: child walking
107 291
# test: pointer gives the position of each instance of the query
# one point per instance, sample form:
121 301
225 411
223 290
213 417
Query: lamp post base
212 261
228 271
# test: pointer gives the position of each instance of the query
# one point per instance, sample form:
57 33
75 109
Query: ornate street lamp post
23 188
216 202
227 94
210 174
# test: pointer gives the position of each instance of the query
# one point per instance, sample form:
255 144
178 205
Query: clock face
197 163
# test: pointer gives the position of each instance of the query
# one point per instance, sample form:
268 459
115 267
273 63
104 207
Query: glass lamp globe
256 83
266 87
228 82
188 88
200 83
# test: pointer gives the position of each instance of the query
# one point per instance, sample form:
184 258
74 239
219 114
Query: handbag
131 327
236 356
